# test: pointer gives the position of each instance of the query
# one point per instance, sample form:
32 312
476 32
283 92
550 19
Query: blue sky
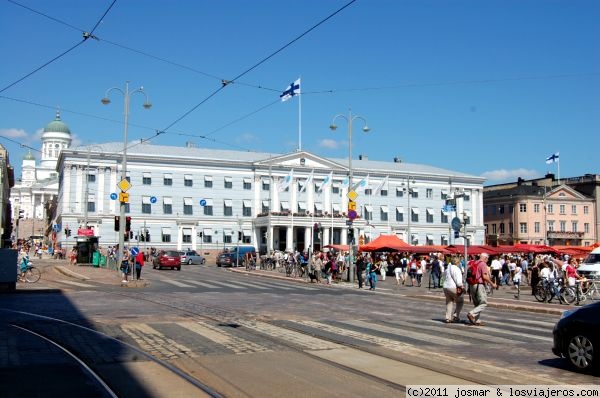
488 88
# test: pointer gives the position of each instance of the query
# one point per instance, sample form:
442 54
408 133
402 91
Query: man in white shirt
496 266
453 281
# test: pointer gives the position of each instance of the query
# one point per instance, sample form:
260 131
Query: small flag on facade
290 91
552 158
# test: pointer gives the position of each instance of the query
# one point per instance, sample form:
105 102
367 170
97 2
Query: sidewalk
502 298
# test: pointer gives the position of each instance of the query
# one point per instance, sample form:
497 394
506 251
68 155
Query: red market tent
343 248
574 250
426 249
471 250
541 249
385 243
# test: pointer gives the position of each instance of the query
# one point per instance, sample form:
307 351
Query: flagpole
558 168
300 118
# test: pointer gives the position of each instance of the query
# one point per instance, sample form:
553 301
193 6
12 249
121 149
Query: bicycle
577 294
547 290
29 274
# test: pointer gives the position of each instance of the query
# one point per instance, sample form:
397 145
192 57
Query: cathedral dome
29 156
57 126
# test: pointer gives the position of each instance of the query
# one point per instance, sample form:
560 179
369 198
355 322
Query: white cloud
329 143
13 133
508 175
75 141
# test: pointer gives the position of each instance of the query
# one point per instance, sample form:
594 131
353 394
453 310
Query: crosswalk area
407 333
233 284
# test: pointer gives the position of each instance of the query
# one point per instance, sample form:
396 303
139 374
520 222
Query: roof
57 126
170 152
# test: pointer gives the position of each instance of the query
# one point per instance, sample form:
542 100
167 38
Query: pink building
534 214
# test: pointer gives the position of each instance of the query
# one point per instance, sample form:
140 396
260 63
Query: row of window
188 181
523 227
537 208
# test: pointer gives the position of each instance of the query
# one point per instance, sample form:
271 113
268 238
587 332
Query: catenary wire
256 65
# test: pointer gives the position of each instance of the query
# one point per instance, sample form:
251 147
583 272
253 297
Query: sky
489 88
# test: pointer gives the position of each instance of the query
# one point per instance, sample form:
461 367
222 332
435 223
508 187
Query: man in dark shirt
360 268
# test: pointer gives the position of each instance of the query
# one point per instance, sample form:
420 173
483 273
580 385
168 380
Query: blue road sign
134 251
113 196
202 202
153 199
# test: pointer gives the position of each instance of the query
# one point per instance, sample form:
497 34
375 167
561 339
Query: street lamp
409 191
147 105
350 119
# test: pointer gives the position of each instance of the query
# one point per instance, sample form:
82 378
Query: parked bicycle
546 290
581 292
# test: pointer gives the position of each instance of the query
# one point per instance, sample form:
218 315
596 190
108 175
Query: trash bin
102 261
96 259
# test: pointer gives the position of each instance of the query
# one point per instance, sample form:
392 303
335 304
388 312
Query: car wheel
178 268
190 261
203 261
580 352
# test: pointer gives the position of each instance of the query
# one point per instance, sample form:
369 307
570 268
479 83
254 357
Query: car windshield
592 258
171 253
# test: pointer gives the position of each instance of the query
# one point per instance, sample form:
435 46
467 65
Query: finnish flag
552 158
290 91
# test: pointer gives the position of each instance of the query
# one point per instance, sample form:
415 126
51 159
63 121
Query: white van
590 267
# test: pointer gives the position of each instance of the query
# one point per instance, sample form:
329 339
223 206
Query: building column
270 239
289 238
326 237
307 241
344 236
79 190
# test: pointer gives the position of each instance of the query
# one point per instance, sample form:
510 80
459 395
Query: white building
39 183
202 199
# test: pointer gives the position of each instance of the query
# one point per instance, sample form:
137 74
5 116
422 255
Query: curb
68 272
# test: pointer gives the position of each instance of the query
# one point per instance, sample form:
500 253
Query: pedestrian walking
496 267
360 268
436 272
477 276
517 281
372 268
398 274
413 271
454 291
383 267
139 263
420 269
317 265
125 265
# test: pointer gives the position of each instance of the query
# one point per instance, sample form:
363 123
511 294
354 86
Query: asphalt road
243 335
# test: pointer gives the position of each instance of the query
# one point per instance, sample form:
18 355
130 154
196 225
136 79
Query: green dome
57 126
29 156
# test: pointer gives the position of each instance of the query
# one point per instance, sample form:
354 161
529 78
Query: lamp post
409 191
147 105
350 119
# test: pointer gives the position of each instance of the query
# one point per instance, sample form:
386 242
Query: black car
577 337
226 260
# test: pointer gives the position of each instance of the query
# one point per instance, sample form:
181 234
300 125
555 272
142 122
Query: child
517 281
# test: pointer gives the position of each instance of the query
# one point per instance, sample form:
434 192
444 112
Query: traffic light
21 214
117 223
147 236
67 232
127 223
130 234
351 235
239 235
456 234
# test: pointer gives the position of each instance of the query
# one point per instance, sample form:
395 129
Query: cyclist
24 264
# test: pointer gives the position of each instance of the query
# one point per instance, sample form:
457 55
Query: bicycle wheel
569 295
33 275
540 294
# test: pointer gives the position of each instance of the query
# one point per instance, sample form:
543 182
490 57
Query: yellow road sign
351 205
352 195
124 185
123 197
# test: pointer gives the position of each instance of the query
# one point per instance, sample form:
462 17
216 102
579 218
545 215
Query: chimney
397 160
363 157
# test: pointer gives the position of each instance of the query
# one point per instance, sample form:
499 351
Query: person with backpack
478 275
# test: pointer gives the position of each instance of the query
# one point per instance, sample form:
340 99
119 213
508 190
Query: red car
167 259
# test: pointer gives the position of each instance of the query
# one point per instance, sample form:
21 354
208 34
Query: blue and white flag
327 181
345 182
291 90
308 181
287 180
381 185
363 184
552 158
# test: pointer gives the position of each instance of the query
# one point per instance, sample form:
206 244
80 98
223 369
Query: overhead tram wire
20 144
86 36
259 63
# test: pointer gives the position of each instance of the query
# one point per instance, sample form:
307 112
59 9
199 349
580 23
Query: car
577 337
590 267
167 259
225 260
191 257
242 250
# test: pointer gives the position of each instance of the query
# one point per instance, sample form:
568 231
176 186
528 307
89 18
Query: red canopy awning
343 248
426 249
385 243
526 248
472 250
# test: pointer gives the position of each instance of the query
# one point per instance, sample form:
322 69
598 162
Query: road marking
178 284
79 284
453 331
155 343
220 335
405 333
206 285
252 285
228 285
289 336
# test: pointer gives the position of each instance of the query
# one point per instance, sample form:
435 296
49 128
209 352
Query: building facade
206 199
7 180
37 189
539 214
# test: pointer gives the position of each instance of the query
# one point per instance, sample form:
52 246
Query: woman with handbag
454 291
